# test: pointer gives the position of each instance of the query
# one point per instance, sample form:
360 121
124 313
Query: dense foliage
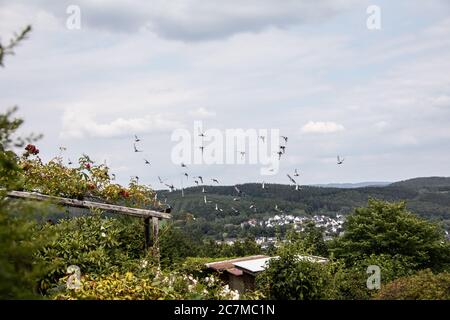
422 286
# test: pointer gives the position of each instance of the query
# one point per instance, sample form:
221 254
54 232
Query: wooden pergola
145 214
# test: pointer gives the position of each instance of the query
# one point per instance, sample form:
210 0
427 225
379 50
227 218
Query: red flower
87 166
124 193
31 149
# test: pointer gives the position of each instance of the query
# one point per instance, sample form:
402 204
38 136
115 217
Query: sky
313 70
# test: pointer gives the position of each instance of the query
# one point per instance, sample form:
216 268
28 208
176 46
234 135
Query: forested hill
428 197
428 183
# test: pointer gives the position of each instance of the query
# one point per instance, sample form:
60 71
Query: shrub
422 286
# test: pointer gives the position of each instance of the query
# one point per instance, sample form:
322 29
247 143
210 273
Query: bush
288 278
422 286
149 285
95 244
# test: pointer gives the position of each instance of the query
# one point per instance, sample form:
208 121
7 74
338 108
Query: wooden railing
145 214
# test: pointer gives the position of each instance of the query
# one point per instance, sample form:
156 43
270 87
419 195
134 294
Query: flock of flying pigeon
199 180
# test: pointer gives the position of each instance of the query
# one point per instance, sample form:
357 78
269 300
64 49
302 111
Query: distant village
331 227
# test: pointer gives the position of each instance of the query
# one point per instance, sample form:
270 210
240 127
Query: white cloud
79 125
322 127
202 113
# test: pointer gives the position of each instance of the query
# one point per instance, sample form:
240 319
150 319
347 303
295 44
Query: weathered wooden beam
155 222
142 213
148 241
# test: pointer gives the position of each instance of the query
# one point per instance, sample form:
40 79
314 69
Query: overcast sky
379 98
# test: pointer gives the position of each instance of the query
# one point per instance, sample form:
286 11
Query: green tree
384 228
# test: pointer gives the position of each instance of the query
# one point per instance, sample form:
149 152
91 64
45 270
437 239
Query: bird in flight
236 199
205 200
136 139
196 182
235 210
238 190
253 206
294 182
70 162
263 138
280 153
147 162
202 148
187 175
170 186
135 179
296 174
136 149
285 138
242 154
160 180
183 165
263 185
278 209
339 160
113 176
200 178
203 190
215 180
202 135
283 149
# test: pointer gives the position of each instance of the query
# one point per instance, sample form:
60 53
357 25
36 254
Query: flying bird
215 180
136 139
242 154
170 186
290 178
187 175
205 200
294 182
285 138
183 165
263 138
70 162
135 179
296 174
147 162
278 209
283 149
280 153
196 182
113 176
136 149
160 180
202 148
263 185
203 190
200 178
238 190
339 160
235 210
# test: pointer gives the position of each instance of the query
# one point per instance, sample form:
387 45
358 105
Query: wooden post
155 222
147 244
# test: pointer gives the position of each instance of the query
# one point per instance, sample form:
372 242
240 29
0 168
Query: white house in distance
240 273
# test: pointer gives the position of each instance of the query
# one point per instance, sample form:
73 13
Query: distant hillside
435 183
427 197
353 185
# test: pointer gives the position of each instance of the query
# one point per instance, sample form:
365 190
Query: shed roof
229 264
